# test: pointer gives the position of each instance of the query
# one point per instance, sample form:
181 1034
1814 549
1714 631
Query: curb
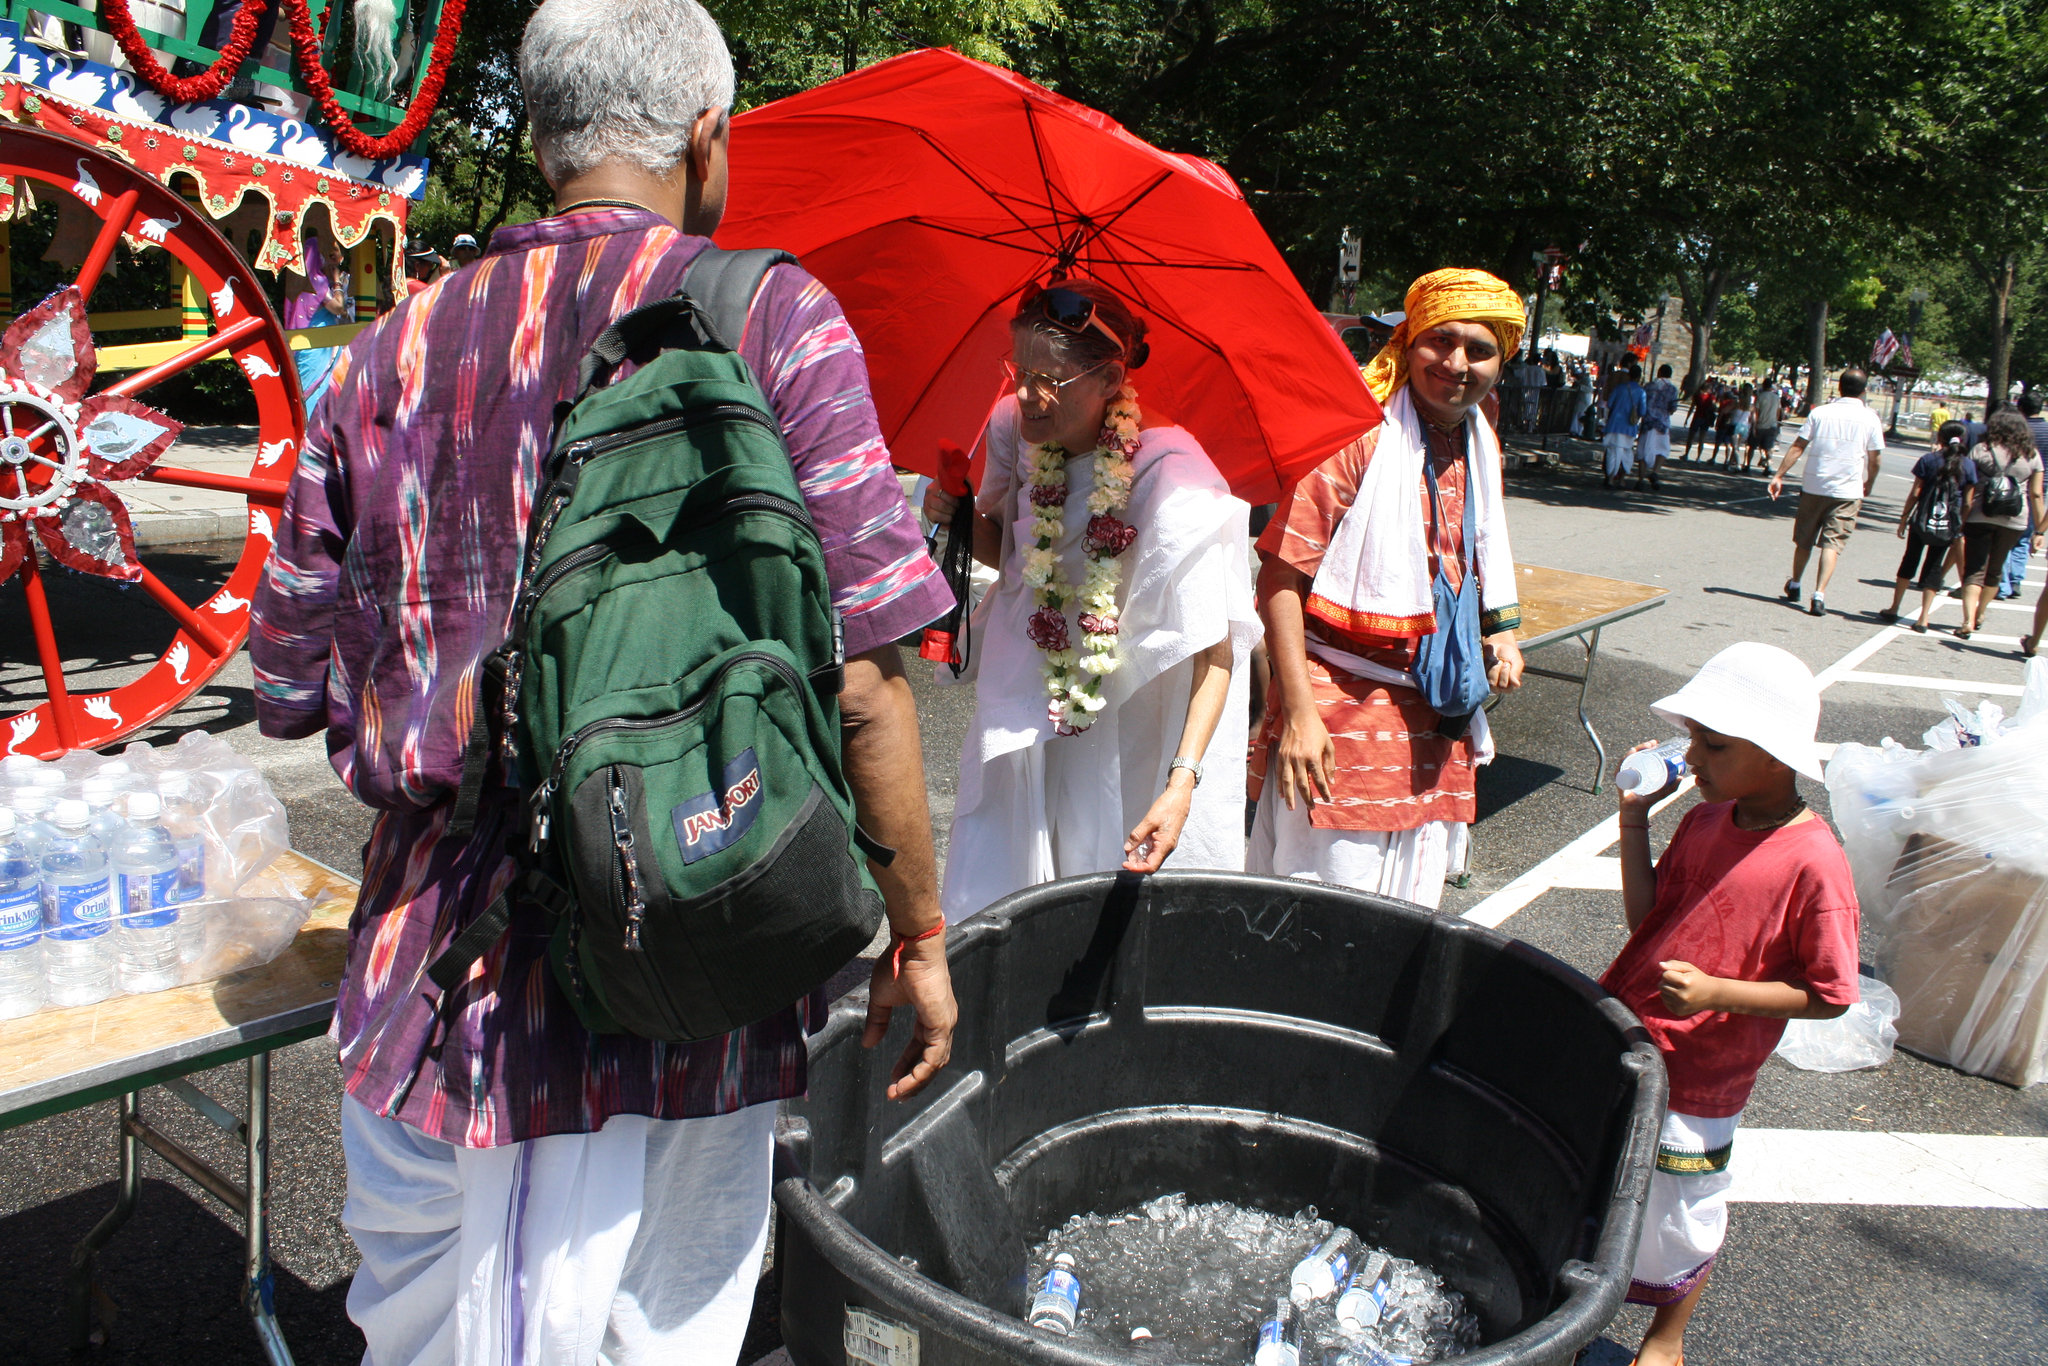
201 526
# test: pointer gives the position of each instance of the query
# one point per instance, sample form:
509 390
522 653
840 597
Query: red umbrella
929 191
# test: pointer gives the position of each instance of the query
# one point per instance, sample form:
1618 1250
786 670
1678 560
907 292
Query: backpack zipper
626 870
545 793
591 447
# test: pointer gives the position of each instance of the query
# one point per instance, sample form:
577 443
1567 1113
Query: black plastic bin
1449 1092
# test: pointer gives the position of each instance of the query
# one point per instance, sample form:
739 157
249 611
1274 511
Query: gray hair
620 80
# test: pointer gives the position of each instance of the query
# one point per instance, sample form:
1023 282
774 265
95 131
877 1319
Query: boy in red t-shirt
1749 920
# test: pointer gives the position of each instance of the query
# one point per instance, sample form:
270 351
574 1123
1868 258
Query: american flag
1887 347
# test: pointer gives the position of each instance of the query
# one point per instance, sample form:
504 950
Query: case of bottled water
21 923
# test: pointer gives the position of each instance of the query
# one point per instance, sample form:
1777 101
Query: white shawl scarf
1374 579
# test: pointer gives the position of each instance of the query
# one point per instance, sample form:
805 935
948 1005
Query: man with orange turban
1387 628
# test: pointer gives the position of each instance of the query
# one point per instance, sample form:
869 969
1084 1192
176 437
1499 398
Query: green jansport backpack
670 685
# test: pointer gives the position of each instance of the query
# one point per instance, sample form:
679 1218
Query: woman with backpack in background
2008 486
1111 708
1932 519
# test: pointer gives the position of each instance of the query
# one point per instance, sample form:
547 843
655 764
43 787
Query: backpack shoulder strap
723 284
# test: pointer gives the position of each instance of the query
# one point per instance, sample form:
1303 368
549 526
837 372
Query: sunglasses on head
1071 311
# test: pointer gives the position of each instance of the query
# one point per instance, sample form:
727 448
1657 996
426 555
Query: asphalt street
1873 1281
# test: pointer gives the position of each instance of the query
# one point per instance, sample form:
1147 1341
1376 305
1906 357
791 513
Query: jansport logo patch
704 825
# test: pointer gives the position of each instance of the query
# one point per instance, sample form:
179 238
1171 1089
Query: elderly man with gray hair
522 1189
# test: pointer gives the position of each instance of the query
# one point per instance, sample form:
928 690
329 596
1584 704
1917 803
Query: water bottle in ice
146 883
1279 1342
1323 1272
101 792
184 815
1364 1301
78 902
1648 771
21 925
1057 1306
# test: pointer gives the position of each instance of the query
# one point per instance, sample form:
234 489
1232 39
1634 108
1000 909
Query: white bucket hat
1757 693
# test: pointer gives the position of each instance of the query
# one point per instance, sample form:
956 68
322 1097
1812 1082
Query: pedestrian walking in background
1747 921
1724 424
1582 398
464 249
1388 592
1745 400
1624 414
1938 416
2014 578
1763 435
1660 401
1845 439
1700 421
2008 491
521 1188
1931 520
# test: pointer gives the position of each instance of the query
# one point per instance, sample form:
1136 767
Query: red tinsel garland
306 48
185 89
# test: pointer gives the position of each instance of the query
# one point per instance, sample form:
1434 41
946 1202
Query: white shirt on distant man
1839 438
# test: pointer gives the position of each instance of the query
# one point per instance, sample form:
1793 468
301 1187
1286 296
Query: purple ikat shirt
393 574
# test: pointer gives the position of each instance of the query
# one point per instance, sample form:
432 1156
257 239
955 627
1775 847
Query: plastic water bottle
78 901
146 881
21 925
1323 1272
1650 770
100 792
184 816
31 807
1364 1301
1057 1306
1279 1342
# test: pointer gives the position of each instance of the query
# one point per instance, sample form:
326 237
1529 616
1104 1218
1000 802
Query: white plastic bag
1861 1037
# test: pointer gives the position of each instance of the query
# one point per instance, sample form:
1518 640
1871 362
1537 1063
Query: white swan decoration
257 367
78 86
302 144
145 106
178 656
260 525
223 300
250 137
353 166
197 119
85 187
403 179
227 602
21 727
270 452
156 229
102 707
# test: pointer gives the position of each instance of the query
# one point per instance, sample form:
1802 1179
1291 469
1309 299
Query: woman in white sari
1109 659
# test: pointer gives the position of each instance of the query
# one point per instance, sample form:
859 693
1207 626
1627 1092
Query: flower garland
184 89
306 48
1073 680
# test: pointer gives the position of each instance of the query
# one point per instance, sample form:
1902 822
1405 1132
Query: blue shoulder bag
1450 665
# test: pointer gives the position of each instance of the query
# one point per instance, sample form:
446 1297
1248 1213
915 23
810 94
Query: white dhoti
640 1243
1686 1217
1409 864
1034 806
1621 450
1653 445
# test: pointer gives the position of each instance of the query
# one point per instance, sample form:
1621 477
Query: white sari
1034 806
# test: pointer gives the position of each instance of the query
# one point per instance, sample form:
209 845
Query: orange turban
1448 295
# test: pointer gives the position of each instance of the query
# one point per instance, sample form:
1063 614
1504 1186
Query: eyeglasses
1045 388
1071 311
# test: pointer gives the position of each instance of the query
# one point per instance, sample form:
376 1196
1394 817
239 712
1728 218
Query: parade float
201 194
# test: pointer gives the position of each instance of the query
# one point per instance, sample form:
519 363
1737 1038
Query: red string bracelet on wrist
899 942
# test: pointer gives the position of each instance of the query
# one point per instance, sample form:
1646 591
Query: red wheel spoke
118 215
177 365
210 640
262 489
46 651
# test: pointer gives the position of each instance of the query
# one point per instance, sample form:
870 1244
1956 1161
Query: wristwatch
1182 761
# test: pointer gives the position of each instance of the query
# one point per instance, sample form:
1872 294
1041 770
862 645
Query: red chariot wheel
68 446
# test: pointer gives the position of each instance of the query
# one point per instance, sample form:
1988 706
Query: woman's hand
1156 836
940 507
1305 759
1503 662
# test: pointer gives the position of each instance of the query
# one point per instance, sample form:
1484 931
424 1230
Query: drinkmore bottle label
21 917
81 910
149 901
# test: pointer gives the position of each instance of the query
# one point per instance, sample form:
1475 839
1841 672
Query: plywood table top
57 1060
1558 603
